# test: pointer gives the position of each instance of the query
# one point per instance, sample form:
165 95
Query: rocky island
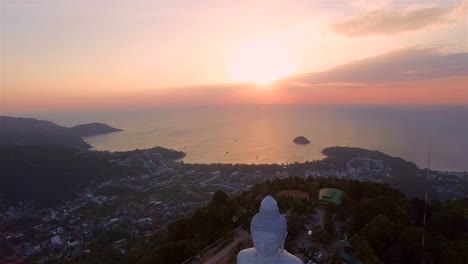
301 140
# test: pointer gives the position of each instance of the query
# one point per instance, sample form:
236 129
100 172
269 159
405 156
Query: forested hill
341 155
402 175
50 175
30 131
92 129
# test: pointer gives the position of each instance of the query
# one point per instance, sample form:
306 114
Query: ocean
264 133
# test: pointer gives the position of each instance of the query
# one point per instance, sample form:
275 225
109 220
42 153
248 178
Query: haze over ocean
264 133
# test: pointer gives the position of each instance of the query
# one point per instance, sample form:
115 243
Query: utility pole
425 205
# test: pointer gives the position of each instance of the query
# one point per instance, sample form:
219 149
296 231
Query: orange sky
448 91
81 55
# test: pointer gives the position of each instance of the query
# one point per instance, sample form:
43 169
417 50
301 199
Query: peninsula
30 131
92 129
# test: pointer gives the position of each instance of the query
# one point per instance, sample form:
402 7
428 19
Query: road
239 236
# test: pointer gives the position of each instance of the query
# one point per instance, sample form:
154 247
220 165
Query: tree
410 242
219 198
449 223
450 256
456 250
382 234
178 229
364 250
329 224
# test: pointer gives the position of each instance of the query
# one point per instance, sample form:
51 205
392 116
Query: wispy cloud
371 4
409 64
391 22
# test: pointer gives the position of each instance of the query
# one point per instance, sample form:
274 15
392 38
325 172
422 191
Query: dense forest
49 175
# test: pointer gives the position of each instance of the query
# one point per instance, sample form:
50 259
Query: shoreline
324 157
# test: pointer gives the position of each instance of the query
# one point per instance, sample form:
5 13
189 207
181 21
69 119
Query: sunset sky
96 54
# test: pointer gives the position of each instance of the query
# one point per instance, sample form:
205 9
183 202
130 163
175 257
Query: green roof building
330 195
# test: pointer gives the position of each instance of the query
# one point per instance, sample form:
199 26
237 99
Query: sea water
264 133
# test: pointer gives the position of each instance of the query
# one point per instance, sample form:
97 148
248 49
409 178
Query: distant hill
49 175
92 129
30 131
341 155
406 176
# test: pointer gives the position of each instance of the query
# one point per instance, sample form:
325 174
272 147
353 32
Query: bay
264 133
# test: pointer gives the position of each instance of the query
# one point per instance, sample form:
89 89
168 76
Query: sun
261 61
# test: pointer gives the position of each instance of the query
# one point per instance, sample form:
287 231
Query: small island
301 140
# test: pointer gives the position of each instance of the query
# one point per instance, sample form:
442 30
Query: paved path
239 236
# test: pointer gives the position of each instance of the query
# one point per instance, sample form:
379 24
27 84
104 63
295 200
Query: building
293 194
330 195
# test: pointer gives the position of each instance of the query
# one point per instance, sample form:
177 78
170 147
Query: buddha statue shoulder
269 230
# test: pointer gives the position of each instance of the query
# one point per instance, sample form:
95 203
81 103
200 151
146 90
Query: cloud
371 4
409 64
384 22
445 91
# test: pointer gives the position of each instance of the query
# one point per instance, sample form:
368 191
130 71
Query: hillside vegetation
383 226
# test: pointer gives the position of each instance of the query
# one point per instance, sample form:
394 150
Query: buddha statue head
268 229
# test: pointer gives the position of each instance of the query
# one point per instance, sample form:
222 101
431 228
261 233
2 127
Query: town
162 190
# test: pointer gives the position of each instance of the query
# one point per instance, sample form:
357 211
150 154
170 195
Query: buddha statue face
268 228
266 243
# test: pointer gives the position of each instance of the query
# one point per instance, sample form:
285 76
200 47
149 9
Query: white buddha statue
268 229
